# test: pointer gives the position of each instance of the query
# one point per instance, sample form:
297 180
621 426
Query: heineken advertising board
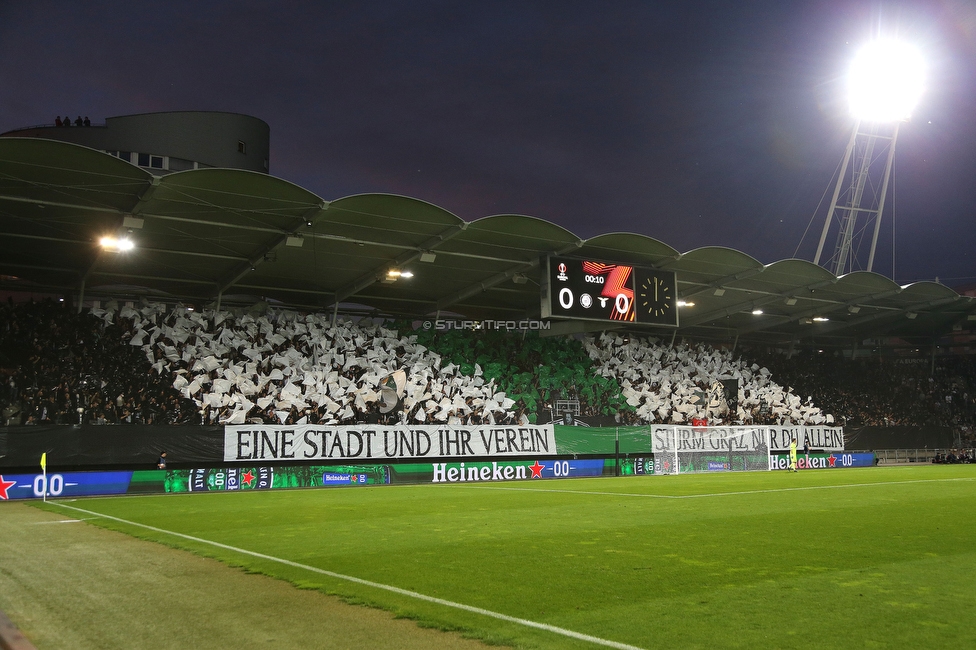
822 461
229 479
270 443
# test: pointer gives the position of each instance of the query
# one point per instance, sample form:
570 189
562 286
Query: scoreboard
608 291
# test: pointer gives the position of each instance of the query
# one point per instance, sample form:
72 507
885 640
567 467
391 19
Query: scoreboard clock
656 297
608 291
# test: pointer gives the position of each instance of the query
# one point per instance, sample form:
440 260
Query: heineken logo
513 470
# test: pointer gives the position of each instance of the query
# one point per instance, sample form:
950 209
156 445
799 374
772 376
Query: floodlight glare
114 244
885 81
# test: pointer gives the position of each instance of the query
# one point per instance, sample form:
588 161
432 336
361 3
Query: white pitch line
712 494
61 521
369 583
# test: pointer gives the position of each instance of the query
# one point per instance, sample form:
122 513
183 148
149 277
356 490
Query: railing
48 126
893 456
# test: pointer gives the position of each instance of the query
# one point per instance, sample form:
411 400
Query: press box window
241 147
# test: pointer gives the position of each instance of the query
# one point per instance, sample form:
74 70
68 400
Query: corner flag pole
44 470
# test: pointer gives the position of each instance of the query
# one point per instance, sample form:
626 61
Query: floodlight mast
885 83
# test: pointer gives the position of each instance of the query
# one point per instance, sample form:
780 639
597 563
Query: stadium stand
153 364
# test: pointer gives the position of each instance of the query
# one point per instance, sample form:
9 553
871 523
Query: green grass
881 557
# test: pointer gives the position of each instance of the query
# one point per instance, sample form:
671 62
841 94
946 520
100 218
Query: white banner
667 437
269 442
708 439
826 438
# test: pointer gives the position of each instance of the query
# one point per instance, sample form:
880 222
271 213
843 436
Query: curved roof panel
711 263
386 219
510 239
48 171
628 247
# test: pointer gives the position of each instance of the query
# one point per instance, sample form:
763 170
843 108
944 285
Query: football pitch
879 557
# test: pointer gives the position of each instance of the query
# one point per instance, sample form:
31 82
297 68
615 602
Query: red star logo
537 470
5 485
248 478
831 459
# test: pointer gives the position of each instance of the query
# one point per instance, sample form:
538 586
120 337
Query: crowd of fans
152 364
683 383
884 392
67 121
60 367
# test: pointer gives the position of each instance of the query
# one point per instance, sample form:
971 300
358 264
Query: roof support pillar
81 294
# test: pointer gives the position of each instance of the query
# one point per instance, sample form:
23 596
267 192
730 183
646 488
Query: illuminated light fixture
719 292
885 81
395 274
791 301
853 309
683 303
757 312
912 315
820 319
116 245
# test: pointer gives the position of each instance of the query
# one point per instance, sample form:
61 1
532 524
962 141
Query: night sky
696 123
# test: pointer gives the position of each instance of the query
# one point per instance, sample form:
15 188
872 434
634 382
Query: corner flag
44 461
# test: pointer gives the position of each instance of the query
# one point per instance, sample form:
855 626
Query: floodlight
115 245
757 312
885 81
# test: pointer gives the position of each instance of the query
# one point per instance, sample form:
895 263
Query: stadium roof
238 237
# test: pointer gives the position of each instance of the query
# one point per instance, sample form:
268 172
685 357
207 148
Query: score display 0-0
609 291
